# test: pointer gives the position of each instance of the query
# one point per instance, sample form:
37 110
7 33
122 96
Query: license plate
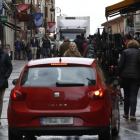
57 121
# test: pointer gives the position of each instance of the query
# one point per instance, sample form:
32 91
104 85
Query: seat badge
56 95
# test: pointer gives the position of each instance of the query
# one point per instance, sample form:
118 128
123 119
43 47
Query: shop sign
3 19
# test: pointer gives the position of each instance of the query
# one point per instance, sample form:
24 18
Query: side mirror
14 82
114 81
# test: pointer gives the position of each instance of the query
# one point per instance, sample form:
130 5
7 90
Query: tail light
18 96
96 95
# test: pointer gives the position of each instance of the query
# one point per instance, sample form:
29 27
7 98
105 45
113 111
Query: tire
107 135
12 136
116 130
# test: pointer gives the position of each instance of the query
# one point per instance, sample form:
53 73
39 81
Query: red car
63 96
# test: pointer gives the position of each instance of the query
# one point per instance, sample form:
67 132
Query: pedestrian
34 44
64 47
84 45
72 51
79 43
46 47
90 51
28 50
128 38
38 52
18 46
5 71
23 49
129 71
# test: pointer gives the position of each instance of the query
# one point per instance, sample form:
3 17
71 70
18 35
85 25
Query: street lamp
58 10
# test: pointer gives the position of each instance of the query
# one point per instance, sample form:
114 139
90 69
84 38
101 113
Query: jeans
17 52
2 91
131 88
46 52
28 55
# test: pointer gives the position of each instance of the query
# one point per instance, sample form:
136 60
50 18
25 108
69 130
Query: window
49 76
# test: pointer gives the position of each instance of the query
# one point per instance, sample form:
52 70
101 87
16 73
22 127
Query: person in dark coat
5 71
129 71
64 47
28 50
46 47
90 51
18 46
79 43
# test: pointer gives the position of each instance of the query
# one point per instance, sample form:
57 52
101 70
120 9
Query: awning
123 7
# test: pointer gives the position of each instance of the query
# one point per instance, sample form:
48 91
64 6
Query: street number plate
57 121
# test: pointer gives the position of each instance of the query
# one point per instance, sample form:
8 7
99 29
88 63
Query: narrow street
130 130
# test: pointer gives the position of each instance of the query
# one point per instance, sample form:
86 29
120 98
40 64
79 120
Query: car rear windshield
58 76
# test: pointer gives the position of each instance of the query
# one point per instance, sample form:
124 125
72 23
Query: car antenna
60 60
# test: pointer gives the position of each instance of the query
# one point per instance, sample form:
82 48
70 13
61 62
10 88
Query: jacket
46 44
64 47
5 69
129 65
79 44
18 45
34 43
68 53
90 51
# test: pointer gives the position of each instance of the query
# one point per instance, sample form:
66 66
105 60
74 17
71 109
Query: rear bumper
59 131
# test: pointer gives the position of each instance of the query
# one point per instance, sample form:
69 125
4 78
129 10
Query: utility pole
31 17
45 18
15 19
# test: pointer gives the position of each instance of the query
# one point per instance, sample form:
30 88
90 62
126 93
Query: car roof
68 60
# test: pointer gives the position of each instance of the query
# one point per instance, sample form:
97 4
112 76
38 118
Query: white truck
71 27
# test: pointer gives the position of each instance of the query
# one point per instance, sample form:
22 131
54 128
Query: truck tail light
96 95
18 96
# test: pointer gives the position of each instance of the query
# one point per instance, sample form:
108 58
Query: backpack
91 52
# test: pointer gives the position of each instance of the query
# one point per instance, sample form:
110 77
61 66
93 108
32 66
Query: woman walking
72 51
129 71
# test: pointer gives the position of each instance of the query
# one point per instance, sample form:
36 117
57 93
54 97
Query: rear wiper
68 84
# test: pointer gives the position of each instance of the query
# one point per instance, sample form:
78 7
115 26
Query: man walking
64 46
5 71
34 43
46 47
18 46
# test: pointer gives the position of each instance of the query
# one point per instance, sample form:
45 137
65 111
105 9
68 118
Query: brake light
97 94
59 64
18 96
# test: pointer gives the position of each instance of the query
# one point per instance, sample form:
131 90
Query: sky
93 8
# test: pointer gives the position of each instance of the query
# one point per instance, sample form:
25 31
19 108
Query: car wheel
12 136
116 130
108 133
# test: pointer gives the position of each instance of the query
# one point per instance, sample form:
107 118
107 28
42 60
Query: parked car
63 96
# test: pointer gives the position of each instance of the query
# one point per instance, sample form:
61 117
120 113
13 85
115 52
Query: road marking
130 131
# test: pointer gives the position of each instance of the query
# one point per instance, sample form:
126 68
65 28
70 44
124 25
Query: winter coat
90 49
79 44
68 53
34 43
129 65
18 45
64 47
5 69
46 44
